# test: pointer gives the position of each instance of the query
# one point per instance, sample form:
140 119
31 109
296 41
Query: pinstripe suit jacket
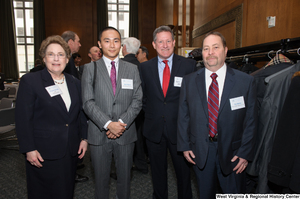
100 104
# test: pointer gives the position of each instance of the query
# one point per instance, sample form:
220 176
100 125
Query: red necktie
113 76
213 105
166 77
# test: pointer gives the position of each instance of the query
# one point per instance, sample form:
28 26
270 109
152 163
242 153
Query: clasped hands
115 129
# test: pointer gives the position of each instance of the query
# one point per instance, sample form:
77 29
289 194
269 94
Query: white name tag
237 103
177 81
127 83
53 90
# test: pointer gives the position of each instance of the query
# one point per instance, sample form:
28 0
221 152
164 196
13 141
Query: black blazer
131 59
43 122
71 68
160 111
284 165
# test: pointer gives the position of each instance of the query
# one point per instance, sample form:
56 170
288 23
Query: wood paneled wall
81 17
287 21
76 15
254 24
147 24
164 12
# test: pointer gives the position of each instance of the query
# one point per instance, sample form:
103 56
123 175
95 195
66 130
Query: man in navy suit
218 148
161 81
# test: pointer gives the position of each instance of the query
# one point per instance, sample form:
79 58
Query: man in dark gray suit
112 98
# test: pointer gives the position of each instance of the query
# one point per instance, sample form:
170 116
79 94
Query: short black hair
108 28
145 50
75 55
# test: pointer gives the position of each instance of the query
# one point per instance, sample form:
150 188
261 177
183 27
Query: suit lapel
104 75
121 74
175 67
228 85
201 87
155 75
48 81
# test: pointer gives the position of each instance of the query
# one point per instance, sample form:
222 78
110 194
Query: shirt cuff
107 123
120 120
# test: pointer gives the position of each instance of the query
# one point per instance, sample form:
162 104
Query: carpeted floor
13 179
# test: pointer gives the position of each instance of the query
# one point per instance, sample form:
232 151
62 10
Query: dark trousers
139 155
211 174
56 179
158 162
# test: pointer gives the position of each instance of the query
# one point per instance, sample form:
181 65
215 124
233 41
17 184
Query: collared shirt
161 67
220 79
108 65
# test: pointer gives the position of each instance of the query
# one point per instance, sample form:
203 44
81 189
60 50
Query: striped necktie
113 77
213 105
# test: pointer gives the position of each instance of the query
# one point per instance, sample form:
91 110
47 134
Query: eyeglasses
59 55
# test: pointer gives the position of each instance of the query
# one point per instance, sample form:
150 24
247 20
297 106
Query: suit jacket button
67 124
114 103
165 103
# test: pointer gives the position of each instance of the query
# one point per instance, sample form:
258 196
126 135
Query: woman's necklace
60 81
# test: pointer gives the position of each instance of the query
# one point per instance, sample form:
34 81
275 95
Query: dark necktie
113 77
213 105
166 77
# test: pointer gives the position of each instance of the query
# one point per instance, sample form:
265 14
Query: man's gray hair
132 45
67 35
162 29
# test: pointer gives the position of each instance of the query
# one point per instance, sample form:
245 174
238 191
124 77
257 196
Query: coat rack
260 52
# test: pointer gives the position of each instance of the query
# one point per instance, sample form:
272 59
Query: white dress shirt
220 79
108 67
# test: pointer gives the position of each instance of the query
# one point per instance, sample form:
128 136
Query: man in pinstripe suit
112 98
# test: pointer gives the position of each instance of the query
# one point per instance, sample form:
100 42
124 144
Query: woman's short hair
55 39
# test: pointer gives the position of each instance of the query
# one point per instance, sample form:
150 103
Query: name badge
177 81
53 90
237 103
127 83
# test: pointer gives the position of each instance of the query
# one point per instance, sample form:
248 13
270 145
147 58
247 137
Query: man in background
131 46
74 43
142 54
38 65
95 53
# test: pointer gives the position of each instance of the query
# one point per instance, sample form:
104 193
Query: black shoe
144 171
80 178
113 175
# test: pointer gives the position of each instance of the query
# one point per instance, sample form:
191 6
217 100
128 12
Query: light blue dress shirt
161 67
